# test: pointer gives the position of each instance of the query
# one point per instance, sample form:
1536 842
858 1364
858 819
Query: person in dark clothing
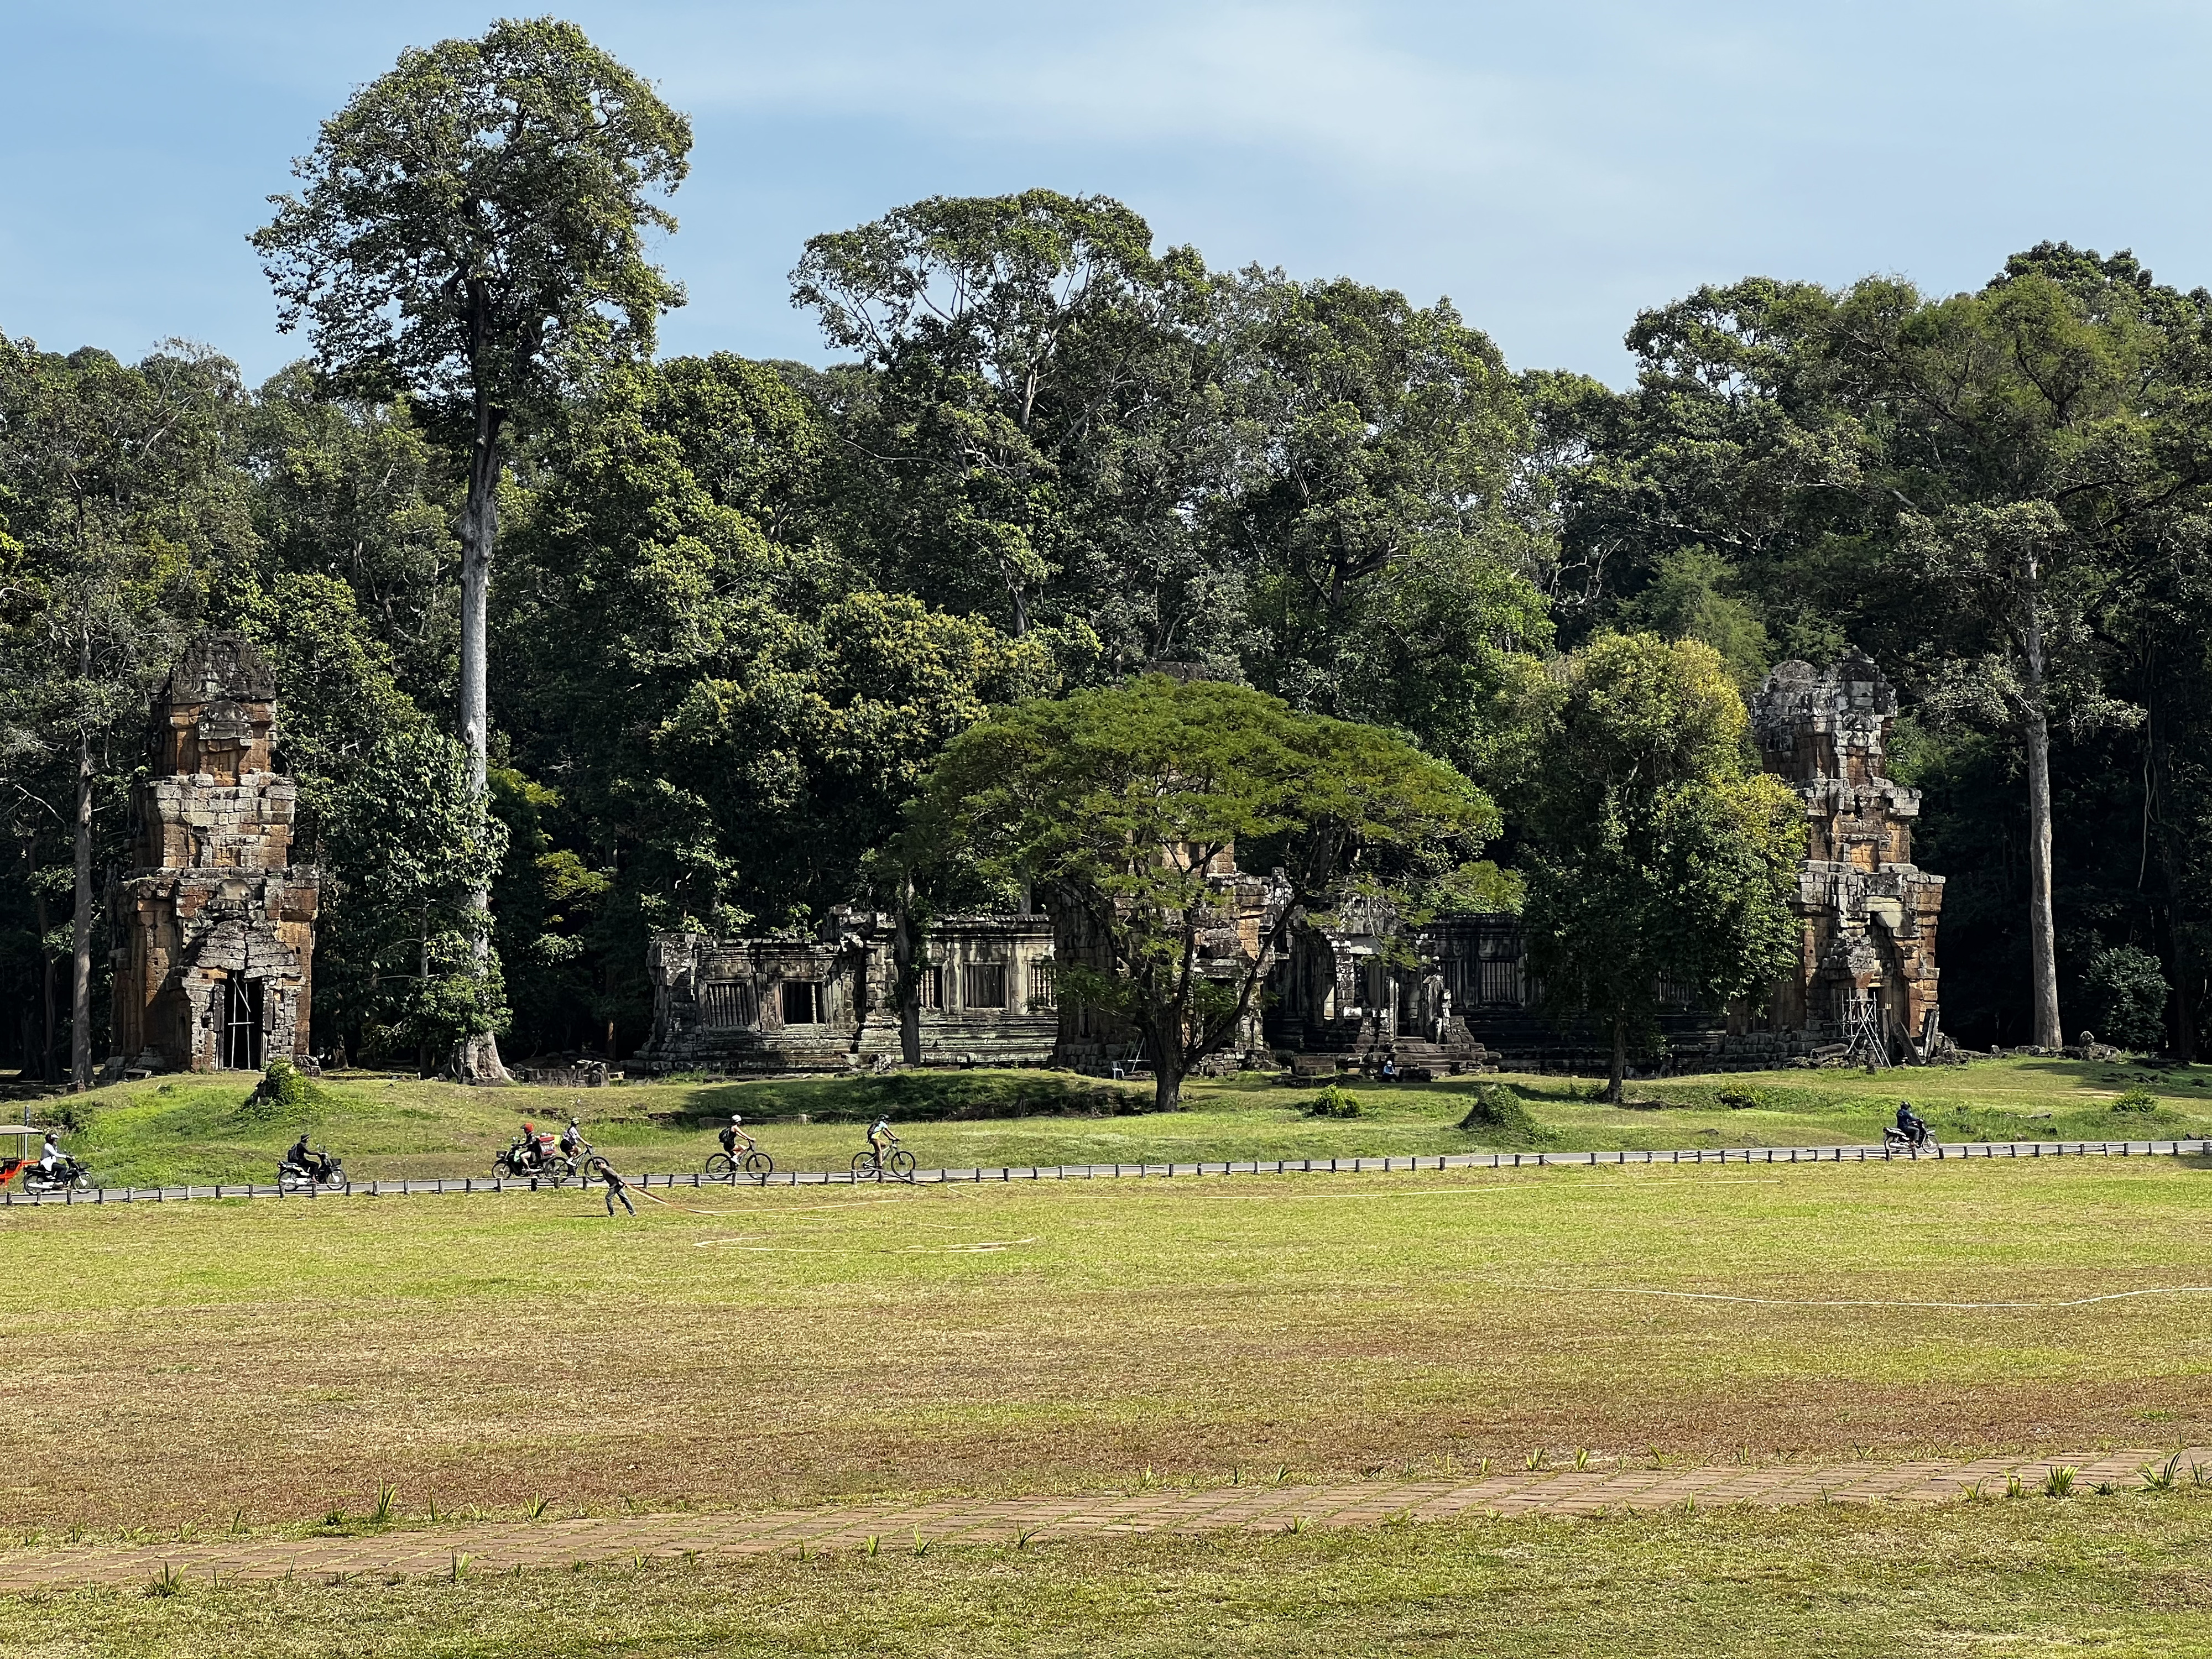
1910 1125
303 1158
616 1189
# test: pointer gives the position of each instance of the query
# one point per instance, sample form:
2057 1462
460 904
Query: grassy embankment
200 1128
262 1365
2121 1575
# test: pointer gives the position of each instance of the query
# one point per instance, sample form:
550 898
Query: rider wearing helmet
49 1155
1908 1124
303 1158
880 1137
526 1145
572 1140
735 1133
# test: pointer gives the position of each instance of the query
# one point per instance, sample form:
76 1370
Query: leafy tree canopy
1120 805
1656 856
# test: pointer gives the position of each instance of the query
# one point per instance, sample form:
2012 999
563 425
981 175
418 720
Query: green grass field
2121 1577
202 1129
789 1346
252 1365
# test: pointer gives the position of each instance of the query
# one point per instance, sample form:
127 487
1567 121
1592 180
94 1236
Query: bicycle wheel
596 1169
759 1163
902 1164
720 1167
864 1165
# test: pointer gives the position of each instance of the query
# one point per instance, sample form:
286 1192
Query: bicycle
756 1163
868 1166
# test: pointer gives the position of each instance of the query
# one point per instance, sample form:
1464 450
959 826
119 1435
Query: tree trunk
905 951
2042 933
1615 1092
49 1068
477 1060
1167 1080
81 928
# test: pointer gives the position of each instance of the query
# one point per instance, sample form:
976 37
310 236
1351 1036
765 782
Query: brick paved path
483 1546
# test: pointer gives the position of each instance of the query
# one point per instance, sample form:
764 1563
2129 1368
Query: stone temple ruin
214 968
986 997
1866 974
1451 993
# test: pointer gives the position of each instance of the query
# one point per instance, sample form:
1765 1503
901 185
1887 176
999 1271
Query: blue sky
1551 166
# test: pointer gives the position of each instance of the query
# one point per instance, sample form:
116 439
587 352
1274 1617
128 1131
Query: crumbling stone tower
214 969
1868 913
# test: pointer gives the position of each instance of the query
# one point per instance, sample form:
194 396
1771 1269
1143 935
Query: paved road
1950 1152
483 1547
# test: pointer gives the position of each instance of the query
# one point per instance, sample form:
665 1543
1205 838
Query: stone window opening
727 1005
983 985
1044 986
802 1002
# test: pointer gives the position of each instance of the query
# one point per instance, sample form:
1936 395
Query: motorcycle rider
300 1157
1910 1125
526 1149
50 1157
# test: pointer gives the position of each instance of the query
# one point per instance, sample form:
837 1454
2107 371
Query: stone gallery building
213 967
830 1004
1451 992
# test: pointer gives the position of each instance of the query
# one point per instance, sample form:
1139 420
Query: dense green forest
739 607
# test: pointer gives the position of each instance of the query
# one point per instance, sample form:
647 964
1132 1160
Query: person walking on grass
616 1189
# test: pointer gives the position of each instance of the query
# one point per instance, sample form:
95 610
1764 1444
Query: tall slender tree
473 229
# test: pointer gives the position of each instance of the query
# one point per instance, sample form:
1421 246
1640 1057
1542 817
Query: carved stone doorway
237 1038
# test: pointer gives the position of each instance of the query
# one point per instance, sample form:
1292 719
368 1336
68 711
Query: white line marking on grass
951 1249
1874 1302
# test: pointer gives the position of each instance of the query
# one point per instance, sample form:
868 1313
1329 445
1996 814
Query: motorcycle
298 1178
1921 1139
67 1175
540 1159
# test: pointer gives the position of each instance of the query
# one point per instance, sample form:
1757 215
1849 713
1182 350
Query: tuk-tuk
21 1159
19 1144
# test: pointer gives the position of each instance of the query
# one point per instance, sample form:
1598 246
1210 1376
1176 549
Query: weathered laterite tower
1867 914
214 969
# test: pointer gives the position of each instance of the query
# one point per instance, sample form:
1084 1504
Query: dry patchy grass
2122 1575
190 1362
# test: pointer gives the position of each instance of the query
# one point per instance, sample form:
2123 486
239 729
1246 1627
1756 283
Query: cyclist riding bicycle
880 1137
572 1140
735 1133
